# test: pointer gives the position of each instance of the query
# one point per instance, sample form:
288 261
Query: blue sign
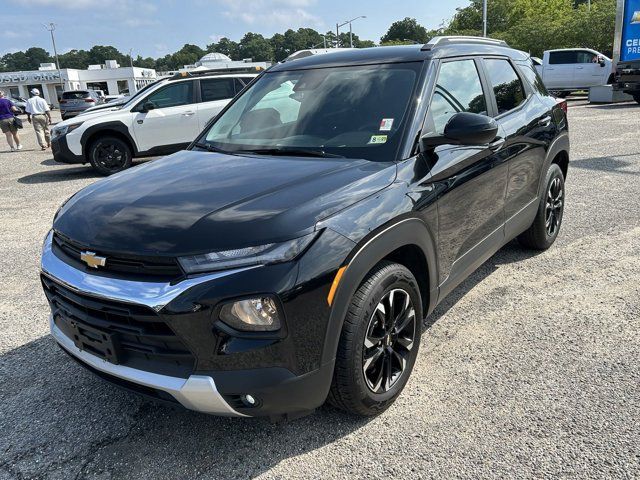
630 45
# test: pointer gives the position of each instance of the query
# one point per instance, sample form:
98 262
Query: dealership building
109 77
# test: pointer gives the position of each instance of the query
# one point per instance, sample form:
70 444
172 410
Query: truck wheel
545 227
379 341
109 155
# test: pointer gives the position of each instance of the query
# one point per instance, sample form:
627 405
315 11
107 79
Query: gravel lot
529 369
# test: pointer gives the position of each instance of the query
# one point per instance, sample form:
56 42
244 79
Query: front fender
371 250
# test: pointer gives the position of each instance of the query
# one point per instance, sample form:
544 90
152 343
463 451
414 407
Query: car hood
195 202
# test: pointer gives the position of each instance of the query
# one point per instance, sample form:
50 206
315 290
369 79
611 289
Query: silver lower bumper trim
198 392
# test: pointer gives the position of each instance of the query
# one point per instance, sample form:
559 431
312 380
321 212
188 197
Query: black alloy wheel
388 341
548 220
553 207
109 155
379 341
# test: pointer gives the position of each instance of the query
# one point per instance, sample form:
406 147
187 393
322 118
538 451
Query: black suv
292 253
627 79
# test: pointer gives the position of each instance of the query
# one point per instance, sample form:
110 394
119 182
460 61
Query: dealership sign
630 44
29 77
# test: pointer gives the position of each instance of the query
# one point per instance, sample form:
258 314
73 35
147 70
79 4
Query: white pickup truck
566 70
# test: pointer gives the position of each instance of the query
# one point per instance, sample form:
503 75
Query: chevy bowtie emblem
93 260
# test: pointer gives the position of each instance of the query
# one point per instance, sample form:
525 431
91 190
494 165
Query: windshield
354 112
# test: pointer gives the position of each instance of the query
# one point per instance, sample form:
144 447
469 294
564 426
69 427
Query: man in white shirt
39 115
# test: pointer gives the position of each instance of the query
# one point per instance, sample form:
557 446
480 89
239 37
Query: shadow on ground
615 106
58 174
60 421
609 164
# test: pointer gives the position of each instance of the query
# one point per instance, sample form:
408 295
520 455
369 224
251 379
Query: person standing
7 126
39 115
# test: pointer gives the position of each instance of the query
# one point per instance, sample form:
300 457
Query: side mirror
463 128
146 106
602 62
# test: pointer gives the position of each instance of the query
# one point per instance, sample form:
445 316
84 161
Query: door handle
140 122
579 68
497 144
188 114
545 122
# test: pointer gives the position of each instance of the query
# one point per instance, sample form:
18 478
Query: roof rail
461 39
215 71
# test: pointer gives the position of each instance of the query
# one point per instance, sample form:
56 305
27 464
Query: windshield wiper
210 148
293 152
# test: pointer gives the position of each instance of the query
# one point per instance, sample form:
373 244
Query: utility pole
338 35
589 4
484 18
131 57
350 29
51 27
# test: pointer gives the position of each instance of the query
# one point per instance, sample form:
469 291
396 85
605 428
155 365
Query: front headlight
64 129
244 257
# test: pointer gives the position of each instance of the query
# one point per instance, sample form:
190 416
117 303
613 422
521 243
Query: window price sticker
386 124
376 139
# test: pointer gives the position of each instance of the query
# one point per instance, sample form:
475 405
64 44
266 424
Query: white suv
161 119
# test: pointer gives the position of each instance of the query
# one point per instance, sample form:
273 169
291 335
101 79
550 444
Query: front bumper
281 373
198 392
62 153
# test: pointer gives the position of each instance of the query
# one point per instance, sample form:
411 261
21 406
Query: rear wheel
109 155
379 341
545 227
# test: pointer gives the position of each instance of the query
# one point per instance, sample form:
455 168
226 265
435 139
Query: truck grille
137 335
132 264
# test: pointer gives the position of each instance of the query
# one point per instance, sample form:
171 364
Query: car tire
379 341
546 225
109 155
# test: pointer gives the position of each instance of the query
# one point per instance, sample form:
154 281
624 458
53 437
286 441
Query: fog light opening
248 400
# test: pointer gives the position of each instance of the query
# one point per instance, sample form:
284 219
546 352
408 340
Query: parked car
283 260
570 69
160 120
20 103
74 102
627 79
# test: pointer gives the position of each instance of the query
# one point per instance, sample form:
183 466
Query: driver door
171 124
471 179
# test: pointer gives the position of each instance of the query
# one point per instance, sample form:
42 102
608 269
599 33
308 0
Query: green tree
27 60
226 47
406 30
255 46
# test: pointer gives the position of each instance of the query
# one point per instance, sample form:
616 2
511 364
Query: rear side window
172 95
217 89
506 84
458 89
530 73
563 58
74 95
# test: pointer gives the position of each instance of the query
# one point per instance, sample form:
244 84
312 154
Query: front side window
506 84
458 89
354 112
587 57
172 95
217 89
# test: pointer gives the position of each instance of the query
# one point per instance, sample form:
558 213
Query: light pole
484 18
350 30
131 57
51 27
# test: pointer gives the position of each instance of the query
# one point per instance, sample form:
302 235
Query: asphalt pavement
528 370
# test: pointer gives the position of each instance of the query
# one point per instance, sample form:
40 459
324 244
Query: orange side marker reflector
334 285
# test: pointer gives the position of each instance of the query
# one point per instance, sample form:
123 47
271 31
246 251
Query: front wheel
546 225
109 155
379 341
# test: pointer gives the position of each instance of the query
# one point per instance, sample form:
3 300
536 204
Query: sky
155 28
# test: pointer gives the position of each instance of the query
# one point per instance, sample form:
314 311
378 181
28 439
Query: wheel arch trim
371 250
560 144
107 128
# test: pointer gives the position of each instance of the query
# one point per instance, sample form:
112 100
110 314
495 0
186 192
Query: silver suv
75 102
